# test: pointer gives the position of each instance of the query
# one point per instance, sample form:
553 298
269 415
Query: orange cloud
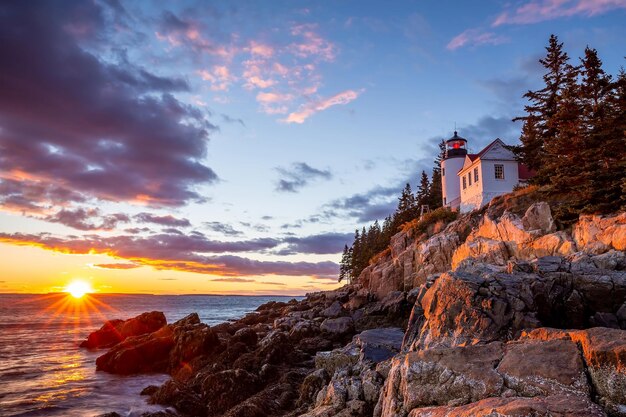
310 109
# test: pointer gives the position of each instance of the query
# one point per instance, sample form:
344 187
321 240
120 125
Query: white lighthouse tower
456 150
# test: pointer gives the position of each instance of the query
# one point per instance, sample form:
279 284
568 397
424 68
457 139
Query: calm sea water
43 372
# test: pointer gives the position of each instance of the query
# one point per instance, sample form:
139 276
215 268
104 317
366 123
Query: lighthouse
456 150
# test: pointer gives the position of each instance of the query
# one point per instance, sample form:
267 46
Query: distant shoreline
159 295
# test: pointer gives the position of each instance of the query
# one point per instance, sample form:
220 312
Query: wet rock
115 331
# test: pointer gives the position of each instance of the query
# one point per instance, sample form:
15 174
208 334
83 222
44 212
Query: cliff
496 313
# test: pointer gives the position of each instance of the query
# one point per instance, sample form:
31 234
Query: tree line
574 134
375 238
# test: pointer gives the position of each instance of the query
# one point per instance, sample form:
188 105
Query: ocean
43 372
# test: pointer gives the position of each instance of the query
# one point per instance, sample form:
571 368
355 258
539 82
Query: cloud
180 253
273 283
117 266
374 204
298 176
232 280
78 126
312 44
167 220
226 118
219 77
87 219
475 37
324 243
309 109
541 10
223 228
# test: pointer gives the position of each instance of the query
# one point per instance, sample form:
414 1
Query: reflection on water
44 373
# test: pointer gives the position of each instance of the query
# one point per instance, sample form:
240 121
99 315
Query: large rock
338 327
167 349
598 234
478 303
459 376
604 352
553 406
115 331
441 376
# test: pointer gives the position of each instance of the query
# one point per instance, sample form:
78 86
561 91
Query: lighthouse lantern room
456 150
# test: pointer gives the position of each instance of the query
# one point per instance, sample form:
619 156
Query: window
499 171
464 182
443 172
444 201
469 178
476 174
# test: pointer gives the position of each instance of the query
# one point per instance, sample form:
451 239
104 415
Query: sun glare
78 289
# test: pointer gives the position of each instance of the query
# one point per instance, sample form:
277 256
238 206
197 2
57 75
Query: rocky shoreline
497 313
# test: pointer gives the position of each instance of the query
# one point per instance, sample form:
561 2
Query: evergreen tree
599 160
435 194
406 206
344 265
423 190
539 123
618 121
561 165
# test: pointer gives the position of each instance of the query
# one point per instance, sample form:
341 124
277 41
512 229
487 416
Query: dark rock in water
113 414
115 331
149 390
167 349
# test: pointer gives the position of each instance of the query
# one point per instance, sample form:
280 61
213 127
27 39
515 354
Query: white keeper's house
470 181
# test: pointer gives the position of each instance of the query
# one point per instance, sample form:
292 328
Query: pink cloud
261 49
541 10
309 109
312 43
273 97
219 77
475 37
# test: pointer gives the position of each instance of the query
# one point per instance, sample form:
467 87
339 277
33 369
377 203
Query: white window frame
495 171
469 179
464 182
476 178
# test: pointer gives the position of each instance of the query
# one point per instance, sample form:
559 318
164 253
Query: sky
195 147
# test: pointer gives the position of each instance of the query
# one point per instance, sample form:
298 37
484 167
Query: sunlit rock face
115 331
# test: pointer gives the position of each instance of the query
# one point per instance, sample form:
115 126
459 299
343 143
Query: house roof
473 157
523 172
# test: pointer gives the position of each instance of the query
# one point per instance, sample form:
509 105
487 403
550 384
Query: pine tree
539 123
618 121
344 264
562 153
435 194
599 159
406 210
423 190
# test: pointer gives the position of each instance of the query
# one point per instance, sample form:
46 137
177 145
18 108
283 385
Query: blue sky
235 146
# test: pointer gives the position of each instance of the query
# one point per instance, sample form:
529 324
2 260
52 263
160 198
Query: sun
78 289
